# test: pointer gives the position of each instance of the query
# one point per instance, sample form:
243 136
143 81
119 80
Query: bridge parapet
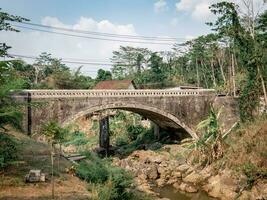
116 93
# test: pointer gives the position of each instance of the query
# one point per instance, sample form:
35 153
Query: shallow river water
173 194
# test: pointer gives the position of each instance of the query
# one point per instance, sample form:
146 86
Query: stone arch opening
164 119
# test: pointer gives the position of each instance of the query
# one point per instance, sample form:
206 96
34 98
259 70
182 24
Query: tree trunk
233 73
230 78
263 86
198 82
213 73
207 86
221 69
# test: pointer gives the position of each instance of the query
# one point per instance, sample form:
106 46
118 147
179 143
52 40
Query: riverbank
173 165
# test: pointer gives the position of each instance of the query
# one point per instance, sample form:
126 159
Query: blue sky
175 18
140 13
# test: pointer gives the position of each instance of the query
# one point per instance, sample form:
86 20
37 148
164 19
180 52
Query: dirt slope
36 155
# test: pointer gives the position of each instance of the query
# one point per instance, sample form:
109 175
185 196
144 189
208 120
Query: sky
182 19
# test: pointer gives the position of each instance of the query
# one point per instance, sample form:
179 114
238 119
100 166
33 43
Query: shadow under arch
163 119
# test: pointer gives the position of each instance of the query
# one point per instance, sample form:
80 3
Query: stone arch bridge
169 109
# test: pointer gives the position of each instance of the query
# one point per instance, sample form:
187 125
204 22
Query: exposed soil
36 155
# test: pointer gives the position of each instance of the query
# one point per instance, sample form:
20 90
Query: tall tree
129 62
5 25
103 75
249 50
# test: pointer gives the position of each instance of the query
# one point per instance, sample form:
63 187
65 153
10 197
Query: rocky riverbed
171 166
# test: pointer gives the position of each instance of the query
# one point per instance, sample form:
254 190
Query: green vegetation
9 109
231 60
107 182
210 146
253 173
54 132
80 140
8 150
93 171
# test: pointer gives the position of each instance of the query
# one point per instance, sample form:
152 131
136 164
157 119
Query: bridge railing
114 93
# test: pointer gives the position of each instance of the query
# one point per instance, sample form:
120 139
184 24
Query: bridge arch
160 117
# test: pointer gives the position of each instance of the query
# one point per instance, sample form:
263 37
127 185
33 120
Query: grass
36 155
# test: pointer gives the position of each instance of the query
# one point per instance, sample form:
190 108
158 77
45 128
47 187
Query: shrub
253 173
93 171
135 131
155 146
122 140
78 139
116 187
8 150
121 181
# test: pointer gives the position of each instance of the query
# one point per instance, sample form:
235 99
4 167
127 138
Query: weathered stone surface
177 174
259 191
194 178
152 172
160 182
172 181
191 189
168 109
246 195
177 185
222 186
183 168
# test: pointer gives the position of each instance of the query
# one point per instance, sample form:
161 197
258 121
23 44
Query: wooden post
52 170
29 114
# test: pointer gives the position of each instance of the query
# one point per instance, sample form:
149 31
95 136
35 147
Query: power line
107 34
89 37
86 60
64 61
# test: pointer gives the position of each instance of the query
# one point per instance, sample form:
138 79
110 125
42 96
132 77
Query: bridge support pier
104 134
156 129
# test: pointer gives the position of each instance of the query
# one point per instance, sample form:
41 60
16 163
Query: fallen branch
230 130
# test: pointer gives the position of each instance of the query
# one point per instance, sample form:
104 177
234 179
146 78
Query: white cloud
160 6
199 9
34 42
201 12
185 5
